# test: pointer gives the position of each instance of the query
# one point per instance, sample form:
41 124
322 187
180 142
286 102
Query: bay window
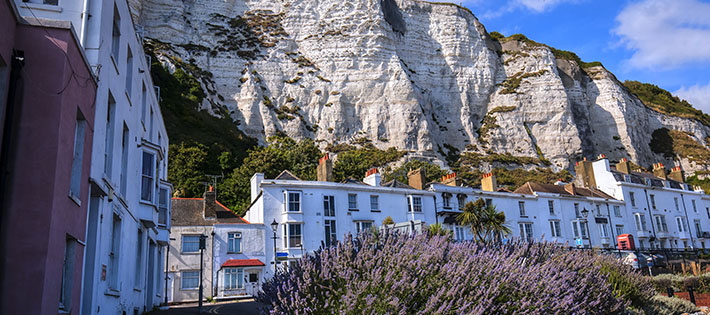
147 176
293 236
233 278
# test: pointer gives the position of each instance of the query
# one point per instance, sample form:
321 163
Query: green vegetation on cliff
558 53
664 102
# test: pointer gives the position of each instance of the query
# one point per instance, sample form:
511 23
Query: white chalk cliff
416 75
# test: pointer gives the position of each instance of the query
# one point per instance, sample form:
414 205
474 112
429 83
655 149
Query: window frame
196 278
617 211
375 207
632 198
287 201
289 235
521 209
555 228
329 205
330 229
618 231
115 252
183 242
150 177
164 208
523 229
360 225
551 206
234 238
233 274
352 202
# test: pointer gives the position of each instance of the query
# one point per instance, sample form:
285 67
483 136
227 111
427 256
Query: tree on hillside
184 165
486 223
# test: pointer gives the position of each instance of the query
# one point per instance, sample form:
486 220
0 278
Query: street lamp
203 245
274 226
585 213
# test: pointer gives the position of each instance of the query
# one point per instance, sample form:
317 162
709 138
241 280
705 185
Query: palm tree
486 223
438 230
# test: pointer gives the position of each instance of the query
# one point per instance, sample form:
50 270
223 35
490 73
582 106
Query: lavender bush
389 273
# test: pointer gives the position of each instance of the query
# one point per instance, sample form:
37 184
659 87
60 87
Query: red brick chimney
210 204
325 169
450 179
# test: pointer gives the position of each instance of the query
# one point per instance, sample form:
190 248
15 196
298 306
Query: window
108 141
619 229
139 258
116 34
526 231
632 198
65 293
352 202
576 211
462 201
293 201
599 210
459 233
163 200
555 229
695 208
234 242
150 125
661 225
653 201
415 204
617 210
253 277
374 203
78 155
680 223
329 206
113 256
551 206
640 222
603 230
446 198
190 280
129 72
124 160
330 235
521 208
144 101
190 243
675 200
708 211
363 226
147 176
698 229
489 202
292 235
233 278
579 228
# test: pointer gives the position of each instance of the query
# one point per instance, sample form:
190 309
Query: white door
252 282
171 276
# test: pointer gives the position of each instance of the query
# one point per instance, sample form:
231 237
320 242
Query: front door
150 279
252 282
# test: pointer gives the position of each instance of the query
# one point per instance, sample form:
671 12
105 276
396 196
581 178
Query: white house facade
310 214
128 222
239 259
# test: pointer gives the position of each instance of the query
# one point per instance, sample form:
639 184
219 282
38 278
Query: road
236 308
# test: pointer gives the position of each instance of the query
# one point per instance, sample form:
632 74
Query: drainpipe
436 212
650 215
611 224
212 284
690 231
84 23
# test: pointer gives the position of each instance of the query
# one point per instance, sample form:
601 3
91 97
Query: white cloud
698 95
665 34
539 5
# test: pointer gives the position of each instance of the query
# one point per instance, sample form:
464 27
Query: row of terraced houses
289 217
84 198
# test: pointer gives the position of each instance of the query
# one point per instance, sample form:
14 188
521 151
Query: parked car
638 260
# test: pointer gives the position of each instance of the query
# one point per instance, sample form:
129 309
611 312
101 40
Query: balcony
646 234
684 235
663 234
148 214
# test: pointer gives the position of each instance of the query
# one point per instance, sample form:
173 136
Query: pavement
248 306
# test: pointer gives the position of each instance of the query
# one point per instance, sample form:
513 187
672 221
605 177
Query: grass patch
664 102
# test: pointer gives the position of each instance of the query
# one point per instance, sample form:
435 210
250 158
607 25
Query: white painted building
239 259
129 207
537 211
664 211
311 214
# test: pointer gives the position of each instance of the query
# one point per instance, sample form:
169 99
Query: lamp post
274 226
585 213
203 245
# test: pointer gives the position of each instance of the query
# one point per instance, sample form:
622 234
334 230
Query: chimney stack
210 204
570 189
417 178
373 177
623 166
601 157
488 182
325 169
677 174
659 170
584 174
450 179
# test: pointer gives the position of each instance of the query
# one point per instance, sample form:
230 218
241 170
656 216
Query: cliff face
419 76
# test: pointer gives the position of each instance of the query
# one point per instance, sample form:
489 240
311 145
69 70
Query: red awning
242 263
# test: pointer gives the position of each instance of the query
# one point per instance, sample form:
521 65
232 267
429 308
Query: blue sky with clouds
664 42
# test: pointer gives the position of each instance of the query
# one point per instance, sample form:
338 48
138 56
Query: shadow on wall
393 16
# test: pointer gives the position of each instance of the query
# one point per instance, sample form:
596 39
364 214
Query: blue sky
664 42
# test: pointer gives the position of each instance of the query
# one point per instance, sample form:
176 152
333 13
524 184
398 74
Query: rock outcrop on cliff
420 76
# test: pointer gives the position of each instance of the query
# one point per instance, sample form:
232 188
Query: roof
190 212
530 188
286 175
352 180
242 263
638 178
397 184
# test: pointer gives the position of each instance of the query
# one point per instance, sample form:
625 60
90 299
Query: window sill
41 6
112 292
234 252
75 199
189 289
190 253
353 209
138 289
293 212
375 210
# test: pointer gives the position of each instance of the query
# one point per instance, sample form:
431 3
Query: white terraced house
310 214
664 211
537 211
128 220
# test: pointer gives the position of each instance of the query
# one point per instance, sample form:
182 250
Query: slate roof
352 180
530 188
190 212
286 175
396 184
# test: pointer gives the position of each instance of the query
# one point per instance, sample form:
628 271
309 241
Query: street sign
579 242
281 256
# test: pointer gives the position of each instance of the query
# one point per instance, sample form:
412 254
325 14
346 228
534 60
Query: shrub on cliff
389 273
